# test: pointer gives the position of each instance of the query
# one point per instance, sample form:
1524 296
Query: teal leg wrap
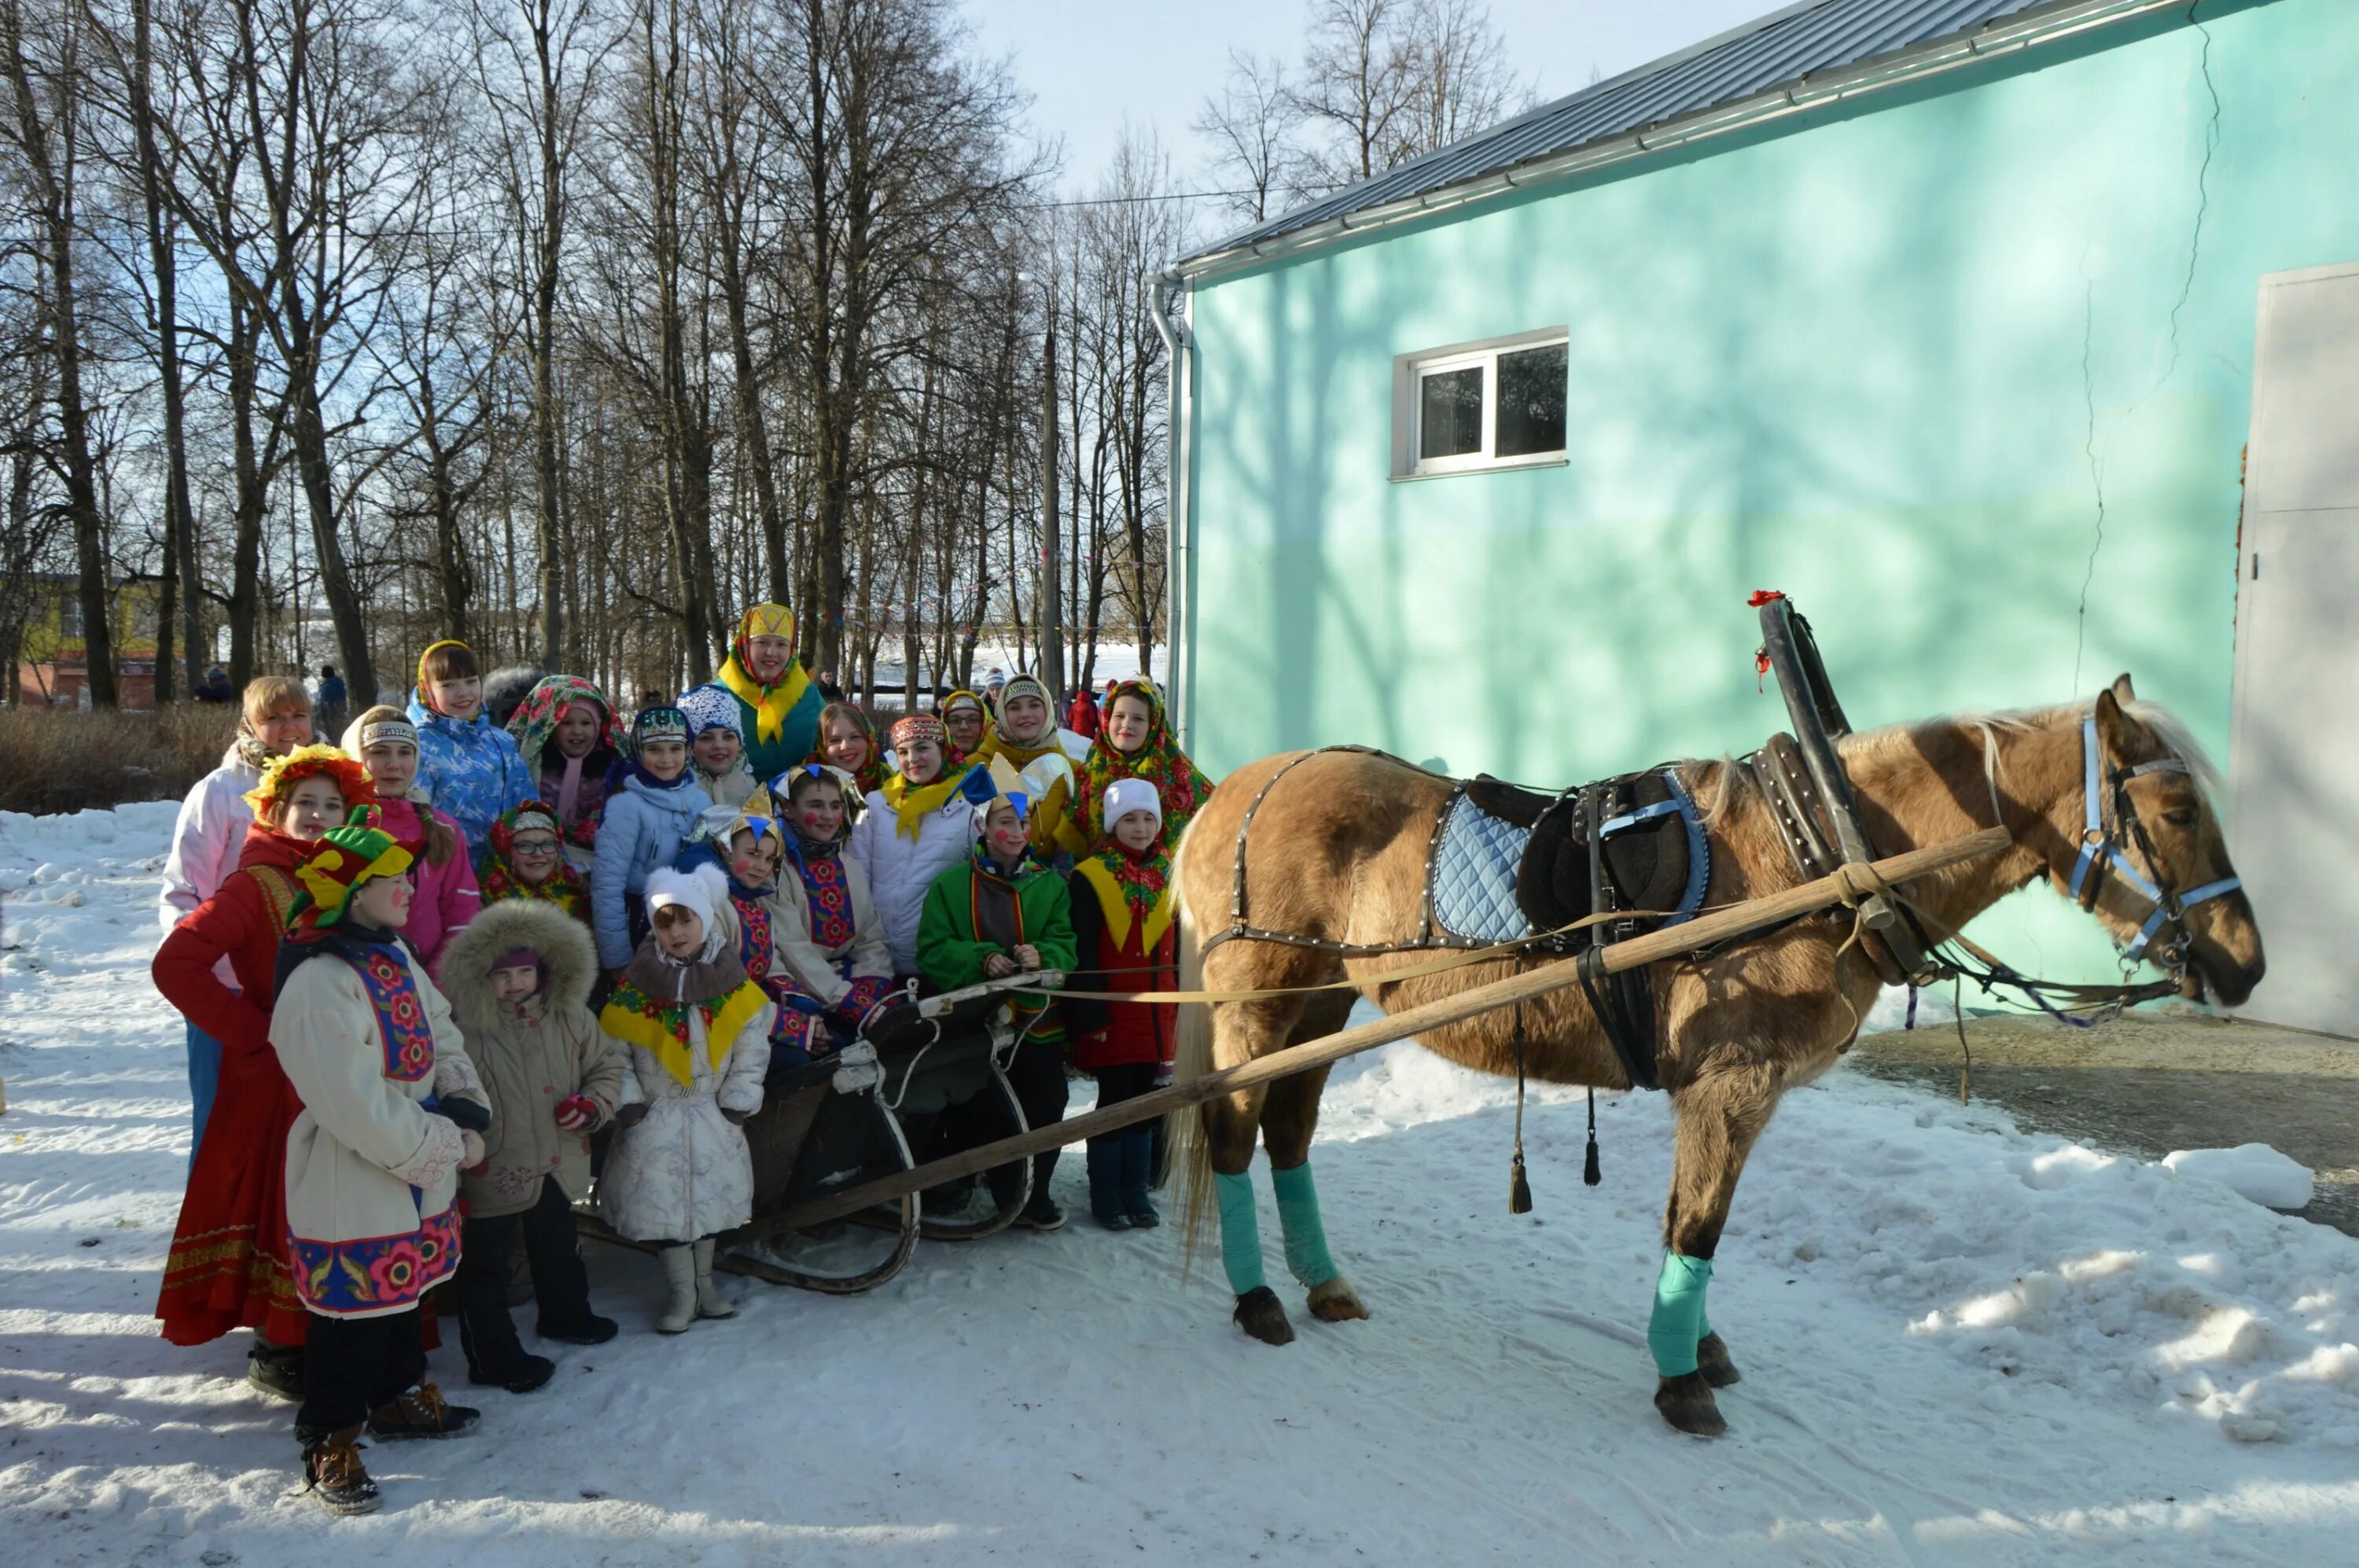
1677 1321
1240 1232
1306 1235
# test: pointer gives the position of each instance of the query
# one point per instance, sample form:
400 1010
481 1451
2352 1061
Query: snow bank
2255 1171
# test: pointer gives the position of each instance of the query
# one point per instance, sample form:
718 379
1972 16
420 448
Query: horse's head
2154 868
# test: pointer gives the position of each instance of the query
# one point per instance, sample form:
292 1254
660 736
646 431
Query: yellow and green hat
346 857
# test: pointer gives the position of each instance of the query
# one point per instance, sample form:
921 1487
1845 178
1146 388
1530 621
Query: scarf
913 804
771 703
651 1007
1131 886
533 724
1179 783
250 749
565 887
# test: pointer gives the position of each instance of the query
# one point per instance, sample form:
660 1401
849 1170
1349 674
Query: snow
1960 1343
2255 1171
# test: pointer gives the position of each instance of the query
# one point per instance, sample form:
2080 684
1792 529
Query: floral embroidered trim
343 1278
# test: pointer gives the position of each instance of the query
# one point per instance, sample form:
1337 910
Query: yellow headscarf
425 689
771 703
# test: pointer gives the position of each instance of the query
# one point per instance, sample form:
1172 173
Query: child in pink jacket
384 741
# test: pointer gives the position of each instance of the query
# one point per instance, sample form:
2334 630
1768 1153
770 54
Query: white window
1496 404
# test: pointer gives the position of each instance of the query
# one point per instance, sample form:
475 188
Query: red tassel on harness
1761 668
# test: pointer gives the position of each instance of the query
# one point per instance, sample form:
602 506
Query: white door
2294 751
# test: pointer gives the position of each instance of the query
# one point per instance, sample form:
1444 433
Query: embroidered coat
829 934
228 1265
529 1062
471 772
372 1175
685 1172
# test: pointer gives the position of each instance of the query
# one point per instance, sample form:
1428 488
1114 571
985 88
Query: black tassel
1590 1175
1519 1191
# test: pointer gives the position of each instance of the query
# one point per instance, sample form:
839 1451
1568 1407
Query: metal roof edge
2031 29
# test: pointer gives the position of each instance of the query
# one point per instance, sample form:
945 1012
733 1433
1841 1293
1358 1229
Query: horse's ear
2122 692
2121 734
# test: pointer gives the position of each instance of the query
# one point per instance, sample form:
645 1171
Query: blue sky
1092 67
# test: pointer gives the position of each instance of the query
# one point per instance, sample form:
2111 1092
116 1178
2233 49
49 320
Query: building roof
1779 50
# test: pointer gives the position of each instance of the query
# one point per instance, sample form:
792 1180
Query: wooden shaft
1704 930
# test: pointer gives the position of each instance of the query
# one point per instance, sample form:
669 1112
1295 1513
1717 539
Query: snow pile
2272 1180
1960 1344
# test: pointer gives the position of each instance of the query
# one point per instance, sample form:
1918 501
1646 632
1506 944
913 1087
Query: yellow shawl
1116 909
912 807
662 1032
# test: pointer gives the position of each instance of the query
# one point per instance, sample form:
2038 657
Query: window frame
1410 371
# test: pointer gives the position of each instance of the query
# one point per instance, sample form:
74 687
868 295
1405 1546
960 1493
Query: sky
1091 68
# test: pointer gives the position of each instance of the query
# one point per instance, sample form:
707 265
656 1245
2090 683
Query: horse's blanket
1507 865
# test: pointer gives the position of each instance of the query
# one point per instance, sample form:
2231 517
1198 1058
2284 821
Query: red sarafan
1333 849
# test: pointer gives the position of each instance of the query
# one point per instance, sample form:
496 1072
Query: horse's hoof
1687 1403
1711 1360
1260 1314
1335 1301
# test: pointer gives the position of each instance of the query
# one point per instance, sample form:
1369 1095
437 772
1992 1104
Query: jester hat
346 857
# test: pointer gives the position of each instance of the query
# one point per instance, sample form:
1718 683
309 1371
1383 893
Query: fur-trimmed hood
569 961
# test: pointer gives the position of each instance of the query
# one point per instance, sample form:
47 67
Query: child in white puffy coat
916 827
699 1032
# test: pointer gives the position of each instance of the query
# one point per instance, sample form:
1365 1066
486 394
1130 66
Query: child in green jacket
999 912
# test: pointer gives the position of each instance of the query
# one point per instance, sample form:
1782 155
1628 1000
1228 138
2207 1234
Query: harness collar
2102 851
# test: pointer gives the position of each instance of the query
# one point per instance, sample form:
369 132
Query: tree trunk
180 519
50 168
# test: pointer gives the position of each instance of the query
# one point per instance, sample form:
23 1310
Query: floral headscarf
565 887
870 775
535 722
1179 783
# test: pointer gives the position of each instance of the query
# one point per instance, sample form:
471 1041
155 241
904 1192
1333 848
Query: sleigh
924 1074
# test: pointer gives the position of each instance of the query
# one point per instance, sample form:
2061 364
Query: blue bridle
2102 850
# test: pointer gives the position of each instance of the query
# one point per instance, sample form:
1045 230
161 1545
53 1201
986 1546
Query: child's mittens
632 1115
577 1113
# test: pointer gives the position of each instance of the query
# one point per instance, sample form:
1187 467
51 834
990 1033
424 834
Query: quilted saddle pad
1474 876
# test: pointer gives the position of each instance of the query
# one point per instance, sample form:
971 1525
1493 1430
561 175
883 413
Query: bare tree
1253 124
44 67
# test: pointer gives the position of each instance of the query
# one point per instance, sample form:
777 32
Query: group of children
522 937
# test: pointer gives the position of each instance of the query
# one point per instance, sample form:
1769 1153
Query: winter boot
275 1369
680 1273
333 1467
1041 1212
587 1329
421 1412
1137 1145
1104 1161
710 1301
521 1373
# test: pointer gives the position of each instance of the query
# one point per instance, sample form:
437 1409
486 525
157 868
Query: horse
1337 854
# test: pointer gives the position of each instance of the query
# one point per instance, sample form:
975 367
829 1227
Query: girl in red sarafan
392 1108
228 1265
1123 930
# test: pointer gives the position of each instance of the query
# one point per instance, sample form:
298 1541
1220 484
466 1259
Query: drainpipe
1178 528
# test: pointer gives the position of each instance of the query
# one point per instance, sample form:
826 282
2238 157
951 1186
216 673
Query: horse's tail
1192 1057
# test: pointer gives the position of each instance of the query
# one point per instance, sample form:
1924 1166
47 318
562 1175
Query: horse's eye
2184 817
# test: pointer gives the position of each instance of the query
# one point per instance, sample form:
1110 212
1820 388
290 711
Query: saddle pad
1473 876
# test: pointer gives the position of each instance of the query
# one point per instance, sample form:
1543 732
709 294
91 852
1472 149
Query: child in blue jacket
468 767
649 813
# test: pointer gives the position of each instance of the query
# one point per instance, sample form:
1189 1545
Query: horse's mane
1896 740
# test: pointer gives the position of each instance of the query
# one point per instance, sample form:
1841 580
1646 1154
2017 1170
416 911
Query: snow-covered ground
1959 1345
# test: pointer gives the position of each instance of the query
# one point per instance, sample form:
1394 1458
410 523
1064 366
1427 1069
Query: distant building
52 665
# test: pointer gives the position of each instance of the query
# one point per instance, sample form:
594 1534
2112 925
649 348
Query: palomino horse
1337 852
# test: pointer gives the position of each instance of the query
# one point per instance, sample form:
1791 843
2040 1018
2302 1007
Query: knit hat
711 707
280 775
966 699
704 897
655 724
918 726
514 958
534 817
1023 686
396 730
346 857
1124 796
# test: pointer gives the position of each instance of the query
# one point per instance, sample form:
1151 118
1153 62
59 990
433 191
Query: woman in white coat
916 827
699 1031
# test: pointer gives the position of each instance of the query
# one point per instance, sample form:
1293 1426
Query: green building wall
1964 368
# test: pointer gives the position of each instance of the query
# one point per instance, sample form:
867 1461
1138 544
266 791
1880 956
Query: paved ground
2150 1083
